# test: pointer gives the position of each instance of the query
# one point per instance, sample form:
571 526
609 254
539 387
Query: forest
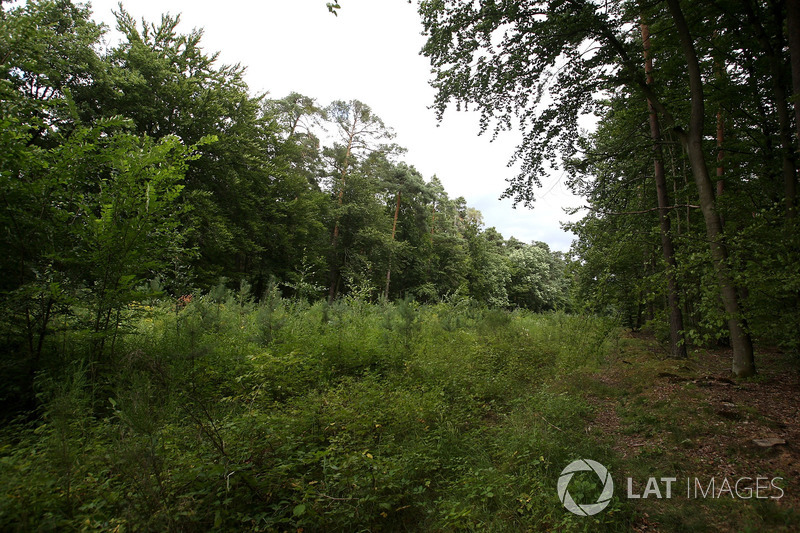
224 311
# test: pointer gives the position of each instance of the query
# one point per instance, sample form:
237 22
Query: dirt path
689 417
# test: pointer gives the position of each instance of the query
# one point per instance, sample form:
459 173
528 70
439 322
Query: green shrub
232 415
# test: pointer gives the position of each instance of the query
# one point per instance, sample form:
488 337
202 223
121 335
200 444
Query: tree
359 132
677 338
124 219
793 38
408 188
93 205
504 58
255 197
743 362
537 278
46 54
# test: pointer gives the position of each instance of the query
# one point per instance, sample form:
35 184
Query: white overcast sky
370 52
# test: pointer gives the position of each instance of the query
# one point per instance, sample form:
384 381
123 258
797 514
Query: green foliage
537 278
539 66
353 415
150 166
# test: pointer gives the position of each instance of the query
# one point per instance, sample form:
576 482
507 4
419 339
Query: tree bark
676 335
720 153
743 361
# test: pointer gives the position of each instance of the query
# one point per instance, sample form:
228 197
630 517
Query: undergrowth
231 415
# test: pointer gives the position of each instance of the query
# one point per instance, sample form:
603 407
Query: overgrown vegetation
227 414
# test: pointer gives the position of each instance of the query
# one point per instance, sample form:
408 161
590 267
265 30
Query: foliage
142 182
539 66
346 416
147 169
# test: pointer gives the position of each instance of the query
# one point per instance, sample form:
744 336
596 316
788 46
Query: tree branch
640 212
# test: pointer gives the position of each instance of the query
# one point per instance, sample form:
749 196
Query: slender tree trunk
295 122
649 268
719 74
686 184
48 307
720 153
720 159
334 263
793 38
676 335
637 323
675 191
394 229
788 147
743 361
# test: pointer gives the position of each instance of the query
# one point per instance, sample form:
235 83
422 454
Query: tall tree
677 339
405 186
793 38
772 49
94 205
255 199
743 361
359 132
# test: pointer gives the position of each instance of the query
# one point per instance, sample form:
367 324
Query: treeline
690 180
149 168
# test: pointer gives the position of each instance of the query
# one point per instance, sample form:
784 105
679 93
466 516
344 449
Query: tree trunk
720 75
676 335
394 229
743 361
720 153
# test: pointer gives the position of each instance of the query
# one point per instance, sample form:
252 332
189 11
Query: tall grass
230 415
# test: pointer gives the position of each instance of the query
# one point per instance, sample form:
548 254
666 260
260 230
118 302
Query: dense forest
223 310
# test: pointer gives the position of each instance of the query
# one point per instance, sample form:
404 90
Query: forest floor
689 420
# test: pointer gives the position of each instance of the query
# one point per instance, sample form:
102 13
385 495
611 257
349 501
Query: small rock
768 443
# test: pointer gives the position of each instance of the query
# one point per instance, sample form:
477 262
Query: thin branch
337 499
641 212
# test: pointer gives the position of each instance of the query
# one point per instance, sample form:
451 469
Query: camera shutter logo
585 465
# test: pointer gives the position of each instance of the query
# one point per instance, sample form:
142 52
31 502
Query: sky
369 52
